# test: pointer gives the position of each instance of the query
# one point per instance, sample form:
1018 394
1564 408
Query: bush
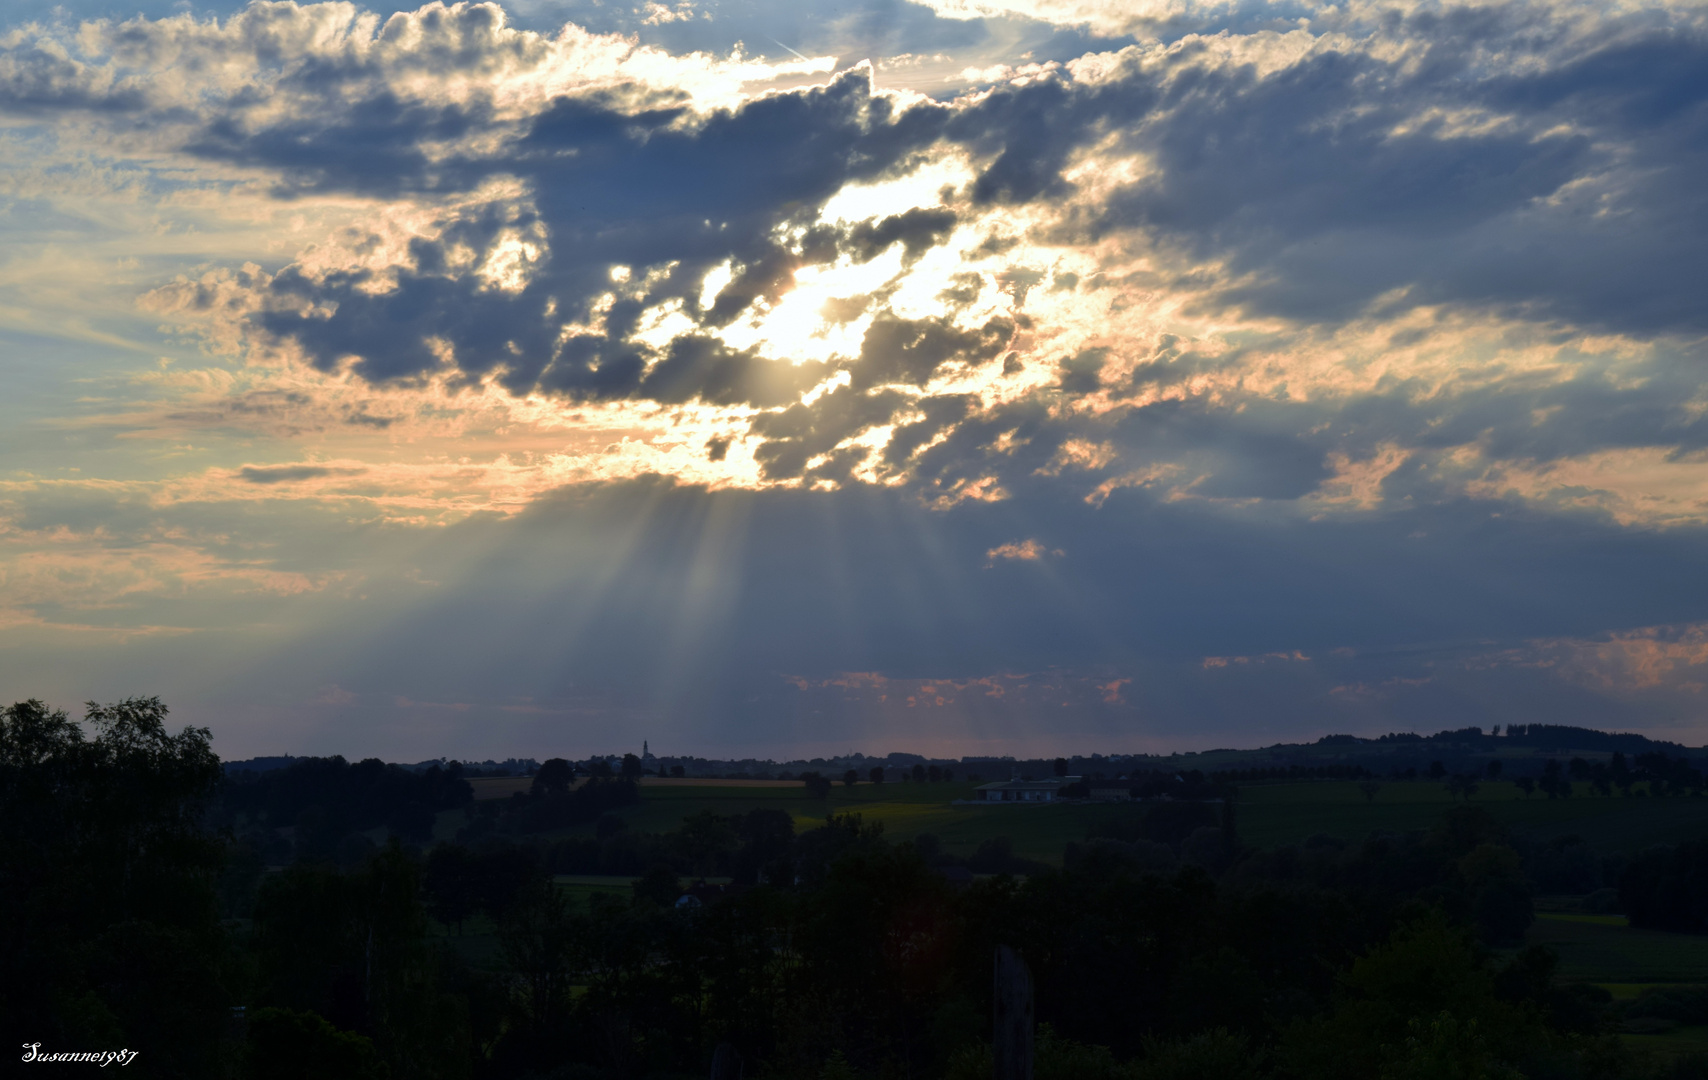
1602 901
285 1044
1217 1052
1667 888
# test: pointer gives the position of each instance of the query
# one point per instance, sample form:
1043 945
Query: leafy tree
289 1044
1553 783
1526 784
850 778
609 825
1061 766
107 881
1493 769
1215 1052
632 769
353 948
658 886
556 776
1619 772
818 786
766 840
540 944
1369 788
1437 770
1667 888
1425 994
1499 893
452 885
876 774
327 799
1601 778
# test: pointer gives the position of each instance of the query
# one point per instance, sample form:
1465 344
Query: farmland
1598 949
1269 814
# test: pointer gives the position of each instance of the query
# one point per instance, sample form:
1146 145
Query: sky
791 378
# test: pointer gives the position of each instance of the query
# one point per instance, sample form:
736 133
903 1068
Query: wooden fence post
1013 997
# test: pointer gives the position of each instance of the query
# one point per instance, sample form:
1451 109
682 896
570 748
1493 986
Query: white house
1025 790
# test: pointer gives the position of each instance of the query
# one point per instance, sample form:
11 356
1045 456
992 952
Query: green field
1592 948
905 809
1602 949
1273 814
1269 814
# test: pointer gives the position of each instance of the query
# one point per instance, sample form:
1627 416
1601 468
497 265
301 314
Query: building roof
1048 784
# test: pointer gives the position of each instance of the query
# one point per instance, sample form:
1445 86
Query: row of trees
1163 948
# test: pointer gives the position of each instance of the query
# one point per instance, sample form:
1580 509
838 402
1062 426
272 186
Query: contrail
791 50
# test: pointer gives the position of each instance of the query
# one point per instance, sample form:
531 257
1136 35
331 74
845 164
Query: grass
1603 949
905 809
1269 814
1592 948
1672 1044
1273 814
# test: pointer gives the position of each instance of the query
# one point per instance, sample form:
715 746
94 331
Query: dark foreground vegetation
145 898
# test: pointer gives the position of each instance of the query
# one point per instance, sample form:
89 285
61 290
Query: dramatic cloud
1296 328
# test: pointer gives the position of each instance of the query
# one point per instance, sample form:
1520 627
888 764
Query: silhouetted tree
452 888
289 1044
107 872
658 886
850 778
555 777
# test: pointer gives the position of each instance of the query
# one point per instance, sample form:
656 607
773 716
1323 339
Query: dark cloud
1531 174
1563 191
375 146
917 230
286 474
912 350
852 29
608 189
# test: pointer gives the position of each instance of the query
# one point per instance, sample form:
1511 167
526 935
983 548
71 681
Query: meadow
1593 948
1269 815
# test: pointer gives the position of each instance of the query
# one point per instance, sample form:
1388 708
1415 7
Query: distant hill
1522 748
258 764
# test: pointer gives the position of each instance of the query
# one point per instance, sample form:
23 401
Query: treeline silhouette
141 913
325 799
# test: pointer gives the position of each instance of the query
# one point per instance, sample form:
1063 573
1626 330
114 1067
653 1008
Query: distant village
1518 750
